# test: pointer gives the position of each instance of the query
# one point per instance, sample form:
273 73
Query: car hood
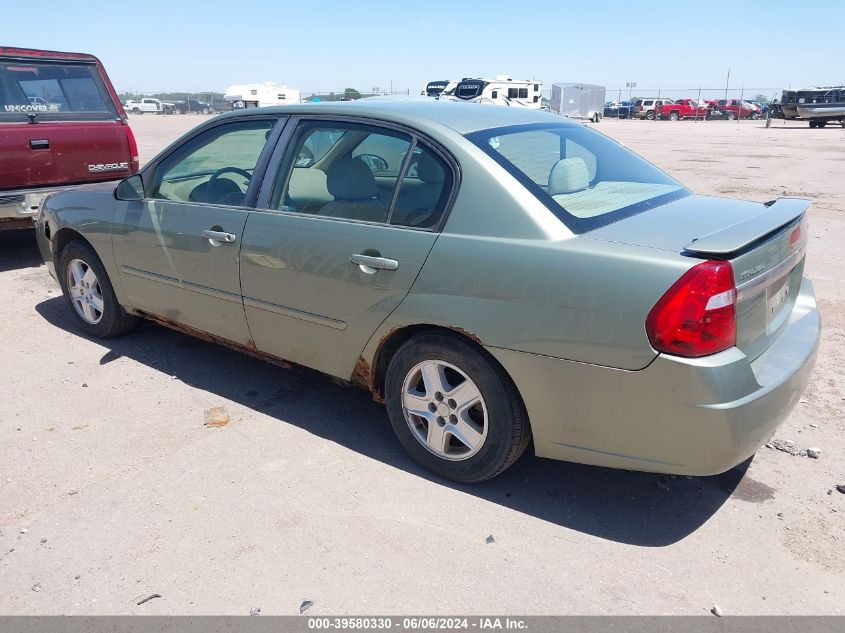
674 225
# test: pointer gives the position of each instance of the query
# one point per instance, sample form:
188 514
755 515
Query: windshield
586 179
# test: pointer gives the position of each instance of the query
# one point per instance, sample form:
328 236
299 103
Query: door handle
371 265
219 237
41 143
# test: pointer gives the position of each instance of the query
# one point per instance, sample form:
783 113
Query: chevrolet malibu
494 275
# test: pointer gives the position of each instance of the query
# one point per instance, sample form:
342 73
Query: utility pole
727 81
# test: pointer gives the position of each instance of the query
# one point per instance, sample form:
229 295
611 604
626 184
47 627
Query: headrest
568 176
351 179
429 169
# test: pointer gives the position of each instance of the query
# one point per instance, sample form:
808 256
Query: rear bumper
682 416
24 204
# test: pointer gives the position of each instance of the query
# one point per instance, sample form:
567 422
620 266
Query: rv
435 88
260 95
499 91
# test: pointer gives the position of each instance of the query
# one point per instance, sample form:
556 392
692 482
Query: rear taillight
697 315
133 148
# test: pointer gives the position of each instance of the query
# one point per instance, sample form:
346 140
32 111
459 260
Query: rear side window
53 91
365 173
586 179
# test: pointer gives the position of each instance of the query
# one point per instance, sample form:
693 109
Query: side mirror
131 188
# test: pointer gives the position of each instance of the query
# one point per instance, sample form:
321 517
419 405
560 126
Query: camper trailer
435 88
578 101
267 93
502 90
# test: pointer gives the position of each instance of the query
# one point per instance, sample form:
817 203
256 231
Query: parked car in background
732 109
660 330
148 105
646 108
192 106
619 109
683 109
61 124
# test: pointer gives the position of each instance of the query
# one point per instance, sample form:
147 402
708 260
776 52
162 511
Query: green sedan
494 275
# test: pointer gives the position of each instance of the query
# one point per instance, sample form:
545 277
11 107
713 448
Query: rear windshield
53 91
586 179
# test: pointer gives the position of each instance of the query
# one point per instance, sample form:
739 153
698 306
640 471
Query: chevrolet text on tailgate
61 124
494 275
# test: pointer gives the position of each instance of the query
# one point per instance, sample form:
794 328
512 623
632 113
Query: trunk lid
765 244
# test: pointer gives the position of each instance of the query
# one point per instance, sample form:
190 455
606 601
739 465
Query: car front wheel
89 293
455 411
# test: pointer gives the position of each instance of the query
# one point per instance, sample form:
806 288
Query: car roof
421 113
36 54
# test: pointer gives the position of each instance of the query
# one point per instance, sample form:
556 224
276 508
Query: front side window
214 167
53 91
582 176
361 172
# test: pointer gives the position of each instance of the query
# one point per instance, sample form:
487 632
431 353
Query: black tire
114 320
731 116
507 427
812 124
650 115
673 116
136 111
821 123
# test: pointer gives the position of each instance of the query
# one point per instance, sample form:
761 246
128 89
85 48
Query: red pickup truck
61 124
683 109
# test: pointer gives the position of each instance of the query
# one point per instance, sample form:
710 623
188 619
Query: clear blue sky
153 45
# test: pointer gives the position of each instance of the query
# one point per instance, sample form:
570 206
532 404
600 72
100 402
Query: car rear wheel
731 116
89 293
673 116
649 115
455 411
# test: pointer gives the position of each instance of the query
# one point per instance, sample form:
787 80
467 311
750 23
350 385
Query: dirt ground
112 488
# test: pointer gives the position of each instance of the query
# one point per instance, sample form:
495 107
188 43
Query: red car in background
683 109
732 109
61 125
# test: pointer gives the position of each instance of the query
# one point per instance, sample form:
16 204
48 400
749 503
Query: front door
353 215
178 252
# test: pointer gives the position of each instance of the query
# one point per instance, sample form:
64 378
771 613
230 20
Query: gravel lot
112 488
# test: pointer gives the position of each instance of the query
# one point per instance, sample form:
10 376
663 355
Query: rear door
338 241
58 125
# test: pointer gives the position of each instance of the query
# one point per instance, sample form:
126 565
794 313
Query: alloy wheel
85 292
445 410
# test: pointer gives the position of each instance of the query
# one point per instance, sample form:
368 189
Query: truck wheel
673 116
731 116
650 115
821 123
812 124
136 111
89 293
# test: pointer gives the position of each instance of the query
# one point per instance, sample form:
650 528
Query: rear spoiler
747 231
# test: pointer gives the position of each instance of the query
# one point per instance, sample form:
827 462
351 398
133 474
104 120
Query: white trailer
579 101
523 93
267 93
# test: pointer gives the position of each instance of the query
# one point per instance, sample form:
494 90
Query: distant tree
761 99
351 93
